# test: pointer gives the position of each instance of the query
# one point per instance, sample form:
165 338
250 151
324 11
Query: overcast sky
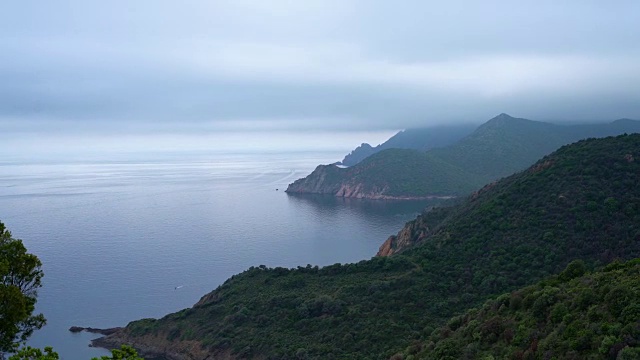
223 67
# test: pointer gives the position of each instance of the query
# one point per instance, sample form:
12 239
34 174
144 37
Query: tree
20 278
124 353
30 353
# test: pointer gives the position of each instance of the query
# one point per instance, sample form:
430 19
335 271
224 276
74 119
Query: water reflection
329 203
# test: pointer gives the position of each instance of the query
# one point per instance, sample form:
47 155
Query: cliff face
318 183
390 174
412 233
332 180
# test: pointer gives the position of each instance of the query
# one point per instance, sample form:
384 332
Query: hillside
498 148
582 202
569 316
389 174
422 139
505 144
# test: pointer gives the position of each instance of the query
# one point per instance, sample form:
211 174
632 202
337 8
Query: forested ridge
581 202
572 315
497 148
416 138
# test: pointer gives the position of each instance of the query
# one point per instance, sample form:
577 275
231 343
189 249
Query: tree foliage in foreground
20 278
28 353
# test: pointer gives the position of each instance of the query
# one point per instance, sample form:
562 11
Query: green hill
582 202
505 144
418 139
498 148
569 316
392 173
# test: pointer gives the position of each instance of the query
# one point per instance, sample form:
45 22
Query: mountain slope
505 144
582 202
418 139
500 147
570 316
392 173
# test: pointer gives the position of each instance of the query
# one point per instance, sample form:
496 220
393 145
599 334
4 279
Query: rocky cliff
411 234
419 230
389 174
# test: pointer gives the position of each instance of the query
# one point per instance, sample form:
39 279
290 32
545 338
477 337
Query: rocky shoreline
371 196
152 347
109 331
115 337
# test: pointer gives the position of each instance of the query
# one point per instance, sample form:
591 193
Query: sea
141 237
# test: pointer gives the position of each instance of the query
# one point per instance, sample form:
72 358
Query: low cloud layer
236 66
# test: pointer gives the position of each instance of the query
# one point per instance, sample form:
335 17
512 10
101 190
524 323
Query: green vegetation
496 149
418 139
28 353
403 171
581 202
20 278
505 144
568 316
392 173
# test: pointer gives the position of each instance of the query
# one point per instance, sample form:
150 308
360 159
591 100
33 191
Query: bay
127 239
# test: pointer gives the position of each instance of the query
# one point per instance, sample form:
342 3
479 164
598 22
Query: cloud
154 66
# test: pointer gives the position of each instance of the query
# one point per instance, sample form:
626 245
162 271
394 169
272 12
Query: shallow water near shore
125 240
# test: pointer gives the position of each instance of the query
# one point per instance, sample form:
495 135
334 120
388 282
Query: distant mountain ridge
497 148
390 174
417 138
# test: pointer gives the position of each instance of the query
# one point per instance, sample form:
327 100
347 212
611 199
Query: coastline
373 196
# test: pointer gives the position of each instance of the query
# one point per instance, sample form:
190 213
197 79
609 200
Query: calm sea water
117 238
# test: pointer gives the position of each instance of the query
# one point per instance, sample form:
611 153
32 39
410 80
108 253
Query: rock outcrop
109 331
412 233
331 180
395 174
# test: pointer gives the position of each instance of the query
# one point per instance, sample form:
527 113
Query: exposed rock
109 331
387 247
412 233
328 180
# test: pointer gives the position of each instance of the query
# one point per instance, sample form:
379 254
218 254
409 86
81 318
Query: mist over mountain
418 139
497 148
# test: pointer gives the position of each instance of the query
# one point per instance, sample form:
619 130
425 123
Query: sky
77 74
